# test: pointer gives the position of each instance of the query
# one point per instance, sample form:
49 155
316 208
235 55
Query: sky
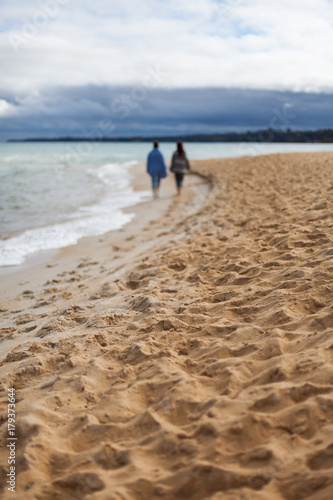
110 68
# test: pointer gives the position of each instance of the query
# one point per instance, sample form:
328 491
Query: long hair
180 149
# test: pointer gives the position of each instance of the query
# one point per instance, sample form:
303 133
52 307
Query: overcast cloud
65 63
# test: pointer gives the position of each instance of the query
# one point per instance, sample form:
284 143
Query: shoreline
46 256
110 250
193 362
140 182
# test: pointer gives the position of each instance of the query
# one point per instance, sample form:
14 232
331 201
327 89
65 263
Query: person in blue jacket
156 169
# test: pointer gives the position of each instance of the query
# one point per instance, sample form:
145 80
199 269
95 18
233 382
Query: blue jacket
156 164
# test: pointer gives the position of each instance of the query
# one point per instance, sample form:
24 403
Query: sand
192 361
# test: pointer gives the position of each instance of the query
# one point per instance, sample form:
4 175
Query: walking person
179 166
156 169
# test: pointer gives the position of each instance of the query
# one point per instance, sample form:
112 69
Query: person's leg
154 180
158 182
179 182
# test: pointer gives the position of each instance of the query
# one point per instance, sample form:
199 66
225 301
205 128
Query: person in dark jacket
156 169
179 166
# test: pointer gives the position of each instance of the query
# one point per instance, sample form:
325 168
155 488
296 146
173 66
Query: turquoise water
53 194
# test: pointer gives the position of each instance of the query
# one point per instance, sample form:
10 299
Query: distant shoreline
266 135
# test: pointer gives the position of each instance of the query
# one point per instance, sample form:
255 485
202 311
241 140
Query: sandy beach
186 356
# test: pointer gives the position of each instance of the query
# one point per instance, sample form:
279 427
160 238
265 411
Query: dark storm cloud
116 111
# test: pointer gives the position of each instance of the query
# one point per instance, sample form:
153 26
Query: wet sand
188 358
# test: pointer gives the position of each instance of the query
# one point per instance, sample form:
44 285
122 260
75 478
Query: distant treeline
265 135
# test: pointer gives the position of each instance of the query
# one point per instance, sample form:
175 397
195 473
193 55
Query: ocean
54 194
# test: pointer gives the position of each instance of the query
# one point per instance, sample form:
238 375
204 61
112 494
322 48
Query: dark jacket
179 163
